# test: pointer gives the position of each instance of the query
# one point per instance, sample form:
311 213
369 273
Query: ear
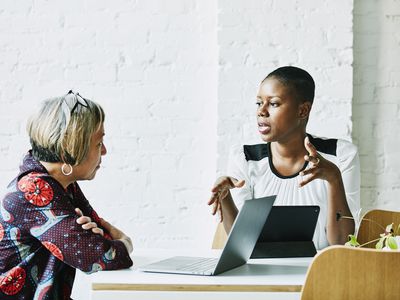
304 110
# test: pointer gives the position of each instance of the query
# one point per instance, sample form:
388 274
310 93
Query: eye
274 104
258 103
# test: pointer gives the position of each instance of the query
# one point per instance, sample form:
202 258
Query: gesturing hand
320 167
87 223
220 191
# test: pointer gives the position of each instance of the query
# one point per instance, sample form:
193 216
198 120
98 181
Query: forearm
229 212
338 230
117 234
128 243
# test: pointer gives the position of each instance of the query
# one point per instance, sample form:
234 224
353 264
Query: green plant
389 239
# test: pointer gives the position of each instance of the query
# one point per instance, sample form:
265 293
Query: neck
288 157
54 169
292 148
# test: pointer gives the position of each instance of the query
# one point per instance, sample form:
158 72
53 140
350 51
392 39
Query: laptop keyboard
200 265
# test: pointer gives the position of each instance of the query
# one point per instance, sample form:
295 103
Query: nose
103 149
262 110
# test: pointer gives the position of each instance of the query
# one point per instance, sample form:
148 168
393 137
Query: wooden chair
373 223
220 237
341 272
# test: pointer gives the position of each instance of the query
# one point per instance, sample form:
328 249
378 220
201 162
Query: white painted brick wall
376 105
153 66
166 71
257 38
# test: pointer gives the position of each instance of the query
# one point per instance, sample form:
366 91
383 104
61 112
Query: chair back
373 223
220 237
341 272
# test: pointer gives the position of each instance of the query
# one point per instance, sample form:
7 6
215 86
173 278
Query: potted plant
389 238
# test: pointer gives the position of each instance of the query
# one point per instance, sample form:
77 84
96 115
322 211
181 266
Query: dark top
41 244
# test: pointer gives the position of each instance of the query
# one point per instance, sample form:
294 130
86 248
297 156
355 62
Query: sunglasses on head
79 100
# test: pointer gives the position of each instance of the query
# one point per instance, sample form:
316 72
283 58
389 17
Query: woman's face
279 114
87 169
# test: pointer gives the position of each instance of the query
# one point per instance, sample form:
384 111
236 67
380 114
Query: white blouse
253 163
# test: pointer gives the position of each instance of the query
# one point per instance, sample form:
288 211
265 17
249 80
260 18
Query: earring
64 172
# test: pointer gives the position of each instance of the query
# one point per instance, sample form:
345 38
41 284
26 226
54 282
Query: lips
264 127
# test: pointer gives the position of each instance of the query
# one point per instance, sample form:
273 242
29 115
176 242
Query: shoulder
324 145
39 189
341 152
333 146
254 152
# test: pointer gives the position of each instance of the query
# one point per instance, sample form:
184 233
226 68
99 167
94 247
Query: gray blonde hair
62 128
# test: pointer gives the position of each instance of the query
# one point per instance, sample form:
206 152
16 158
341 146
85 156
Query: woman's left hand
87 223
320 167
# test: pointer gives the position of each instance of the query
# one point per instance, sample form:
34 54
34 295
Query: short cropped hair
62 128
298 80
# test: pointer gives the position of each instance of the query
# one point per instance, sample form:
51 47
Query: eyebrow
270 97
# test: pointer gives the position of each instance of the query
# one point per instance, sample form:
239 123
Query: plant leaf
352 242
391 242
379 244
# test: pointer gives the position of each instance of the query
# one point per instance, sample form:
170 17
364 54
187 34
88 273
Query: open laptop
237 250
288 232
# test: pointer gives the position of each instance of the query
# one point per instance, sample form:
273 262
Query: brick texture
257 38
178 81
376 103
152 65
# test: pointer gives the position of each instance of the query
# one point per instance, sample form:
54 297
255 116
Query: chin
267 138
91 176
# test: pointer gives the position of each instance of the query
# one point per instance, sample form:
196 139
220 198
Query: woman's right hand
220 191
87 223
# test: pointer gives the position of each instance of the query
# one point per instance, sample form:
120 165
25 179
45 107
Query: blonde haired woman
47 226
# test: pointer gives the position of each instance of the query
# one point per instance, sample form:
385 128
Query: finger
223 194
312 170
83 220
214 208
89 225
239 183
79 212
224 182
98 230
221 216
310 147
213 198
307 179
313 159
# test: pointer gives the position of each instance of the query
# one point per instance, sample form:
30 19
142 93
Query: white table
259 279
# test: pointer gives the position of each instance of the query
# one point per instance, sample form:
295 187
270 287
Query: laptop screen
288 232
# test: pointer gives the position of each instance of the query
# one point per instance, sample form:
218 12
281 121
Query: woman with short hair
48 229
301 169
